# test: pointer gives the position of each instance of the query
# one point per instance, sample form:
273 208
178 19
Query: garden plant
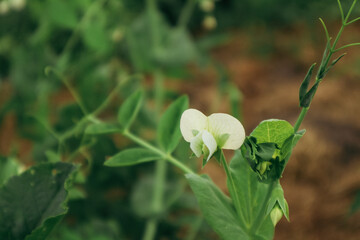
152 129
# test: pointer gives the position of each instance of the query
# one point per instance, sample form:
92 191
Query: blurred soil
323 174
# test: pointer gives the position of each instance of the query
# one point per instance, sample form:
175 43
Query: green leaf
289 145
217 208
129 109
8 168
305 84
251 195
102 128
168 132
95 35
177 48
131 157
272 131
62 13
277 196
34 202
306 100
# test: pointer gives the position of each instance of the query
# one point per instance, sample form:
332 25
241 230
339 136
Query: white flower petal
221 123
209 142
191 120
196 144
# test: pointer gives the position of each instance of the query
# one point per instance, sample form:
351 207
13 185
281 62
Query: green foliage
34 202
131 156
102 128
355 206
216 208
304 86
8 168
129 109
168 131
235 219
268 148
277 198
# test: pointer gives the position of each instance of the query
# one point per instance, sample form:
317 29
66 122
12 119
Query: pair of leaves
264 148
305 95
34 202
126 116
168 133
220 212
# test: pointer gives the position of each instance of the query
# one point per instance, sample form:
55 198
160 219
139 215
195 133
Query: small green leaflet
102 128
131 157
129 109
168 132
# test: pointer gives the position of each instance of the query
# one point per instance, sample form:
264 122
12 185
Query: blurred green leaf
102 128
129 109
8 168
168 132
34 202
95 34
62 13
176 49
355 206
217 209
131 157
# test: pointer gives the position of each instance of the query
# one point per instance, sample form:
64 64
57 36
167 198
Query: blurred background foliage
95 46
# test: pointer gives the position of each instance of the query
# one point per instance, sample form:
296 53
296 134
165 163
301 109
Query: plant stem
331 51
150 229
233 189
162 154
261 216
300 119
186 13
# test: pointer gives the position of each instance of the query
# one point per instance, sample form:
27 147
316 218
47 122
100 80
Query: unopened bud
117 35
207 5
276 214
209 22
17 4
4 7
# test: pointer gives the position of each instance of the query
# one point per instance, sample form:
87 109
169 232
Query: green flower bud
207 5
4 7
276 214
209 22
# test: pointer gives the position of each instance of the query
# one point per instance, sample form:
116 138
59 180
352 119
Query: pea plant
256 202
34 202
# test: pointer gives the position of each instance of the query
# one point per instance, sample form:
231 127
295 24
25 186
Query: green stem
300 119
157 199
150 229
236 199
159 91
261 216
331 51
162 154
186 13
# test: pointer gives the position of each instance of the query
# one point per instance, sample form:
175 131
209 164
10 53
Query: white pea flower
207 134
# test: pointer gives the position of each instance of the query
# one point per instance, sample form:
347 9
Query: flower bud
209 22
4 7
117 35
17 4
276 214
207 5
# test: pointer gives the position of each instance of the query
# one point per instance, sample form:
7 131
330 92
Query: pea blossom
207 134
